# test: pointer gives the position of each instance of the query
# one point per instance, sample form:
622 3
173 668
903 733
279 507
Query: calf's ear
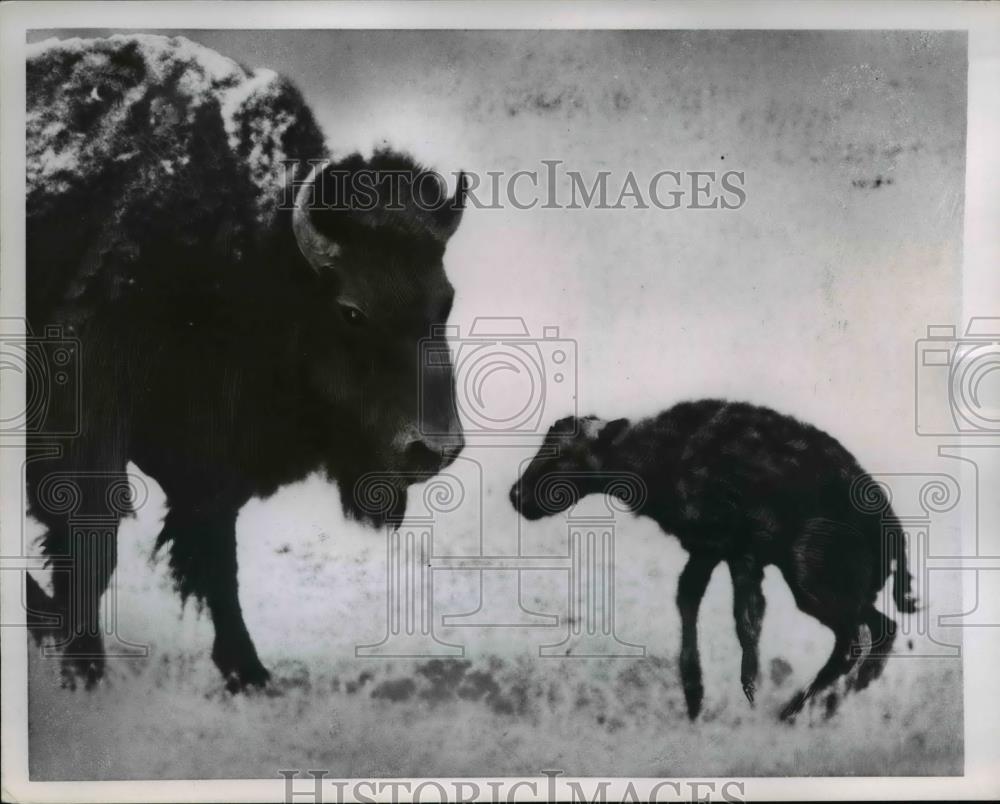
447 219
610 432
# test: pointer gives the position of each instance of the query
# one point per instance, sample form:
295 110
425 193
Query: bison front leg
203 560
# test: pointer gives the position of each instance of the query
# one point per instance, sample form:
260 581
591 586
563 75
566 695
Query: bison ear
447 219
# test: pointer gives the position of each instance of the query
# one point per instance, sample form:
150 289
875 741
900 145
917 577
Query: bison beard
227 344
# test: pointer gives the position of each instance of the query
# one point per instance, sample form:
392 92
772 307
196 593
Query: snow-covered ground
809 298
314 589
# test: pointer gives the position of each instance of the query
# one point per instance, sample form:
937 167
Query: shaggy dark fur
751 487
211 353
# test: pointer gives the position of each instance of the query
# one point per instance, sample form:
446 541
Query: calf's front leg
690 590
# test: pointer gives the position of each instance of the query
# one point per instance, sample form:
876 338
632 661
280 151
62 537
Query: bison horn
318 250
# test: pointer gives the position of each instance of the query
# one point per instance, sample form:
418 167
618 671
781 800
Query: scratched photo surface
485 636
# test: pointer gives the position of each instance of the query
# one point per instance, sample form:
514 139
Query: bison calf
751 487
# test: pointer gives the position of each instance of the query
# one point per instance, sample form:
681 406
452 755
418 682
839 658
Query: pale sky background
809 299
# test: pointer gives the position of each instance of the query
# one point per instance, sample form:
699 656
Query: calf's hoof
870 670
749 689
830 705
793 707
693 696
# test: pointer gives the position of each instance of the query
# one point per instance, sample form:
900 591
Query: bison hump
136 142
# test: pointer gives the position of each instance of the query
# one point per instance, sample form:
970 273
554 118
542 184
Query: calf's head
570 464
373 233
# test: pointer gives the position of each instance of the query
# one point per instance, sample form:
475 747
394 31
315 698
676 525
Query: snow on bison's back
156 141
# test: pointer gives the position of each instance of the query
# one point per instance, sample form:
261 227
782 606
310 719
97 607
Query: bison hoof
239 665
255 676
749 689
83 660
75 670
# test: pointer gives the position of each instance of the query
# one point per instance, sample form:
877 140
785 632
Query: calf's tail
902 580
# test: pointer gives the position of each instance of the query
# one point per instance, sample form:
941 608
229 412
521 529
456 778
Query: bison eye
352 315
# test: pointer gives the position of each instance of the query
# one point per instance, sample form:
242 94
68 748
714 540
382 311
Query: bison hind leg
41 617
82 559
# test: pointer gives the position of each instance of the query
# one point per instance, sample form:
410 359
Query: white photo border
981 291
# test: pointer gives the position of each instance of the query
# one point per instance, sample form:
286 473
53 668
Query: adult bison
239 324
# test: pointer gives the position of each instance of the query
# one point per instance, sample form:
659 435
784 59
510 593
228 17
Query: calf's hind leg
883 632
203 560
842 659
690 590
748 610
829 573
